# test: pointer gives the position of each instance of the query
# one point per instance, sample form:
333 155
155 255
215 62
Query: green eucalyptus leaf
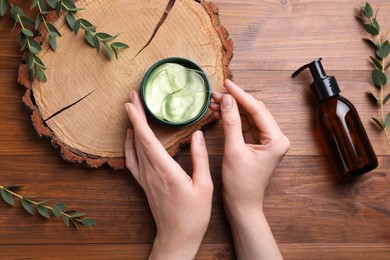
78 215
33 72
35 2
70 19
379 78
386 99
27 21
38 21
373 98
377 64
384 50
371 29
30 57
116 51
52 3
43 211
35 44
28 206
7 197
367 11
43 202
42 6
87 25
27 32
75 9
105 37
39 63
53 42
52 29
88 222
108 50
3 7
60 205
375 23
70 211
41 75
22 40
119 45
370 43
13 186
56 211
58 8
65 219
89 38
90 28
16 11
68 4
96 43
76 27
377 122
387 123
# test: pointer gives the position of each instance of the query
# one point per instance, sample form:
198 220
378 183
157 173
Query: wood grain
313 212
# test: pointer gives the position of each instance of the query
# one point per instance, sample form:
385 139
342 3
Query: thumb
231 122
200 159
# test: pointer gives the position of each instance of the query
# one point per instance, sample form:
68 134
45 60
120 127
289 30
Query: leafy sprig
58 209
380 62
33 48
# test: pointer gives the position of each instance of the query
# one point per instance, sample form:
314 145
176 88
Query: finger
231 122
131 155
260 115
136 100
200 160
217 115
217 97
146 141
215 106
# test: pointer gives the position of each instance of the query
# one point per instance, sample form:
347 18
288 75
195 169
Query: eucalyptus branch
33 48
380 63
58 209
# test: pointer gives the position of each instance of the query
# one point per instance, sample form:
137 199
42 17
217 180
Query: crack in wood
69 106
169 7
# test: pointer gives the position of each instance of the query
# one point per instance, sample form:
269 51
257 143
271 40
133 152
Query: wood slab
81 106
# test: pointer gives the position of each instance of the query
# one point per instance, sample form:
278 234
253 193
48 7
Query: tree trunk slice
81 106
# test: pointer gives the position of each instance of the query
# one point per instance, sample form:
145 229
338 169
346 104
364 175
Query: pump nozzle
323 86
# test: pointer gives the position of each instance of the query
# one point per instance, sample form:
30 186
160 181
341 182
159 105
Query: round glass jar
173 95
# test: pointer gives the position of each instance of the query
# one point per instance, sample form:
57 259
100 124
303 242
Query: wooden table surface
314 212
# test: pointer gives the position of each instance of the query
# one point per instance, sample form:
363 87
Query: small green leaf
373 98
88 222
387 123
96 43
53 42
43 211
41 75
379 123
35 44
56 211
30 56
384 50
28 32
28 206
108 50
371 29
39 62
367 11
87 25
70 211
51 28
370 43
42 6
105 37
27 21
66 220
375 23
89 38
58 8
90 28
38 21
60 205
43 202
3 7
78 215
76 27
16 11
13 186
7 197
119 45
22 40
68 4
33 49
376 63
379 78
70 19
52 3
386 99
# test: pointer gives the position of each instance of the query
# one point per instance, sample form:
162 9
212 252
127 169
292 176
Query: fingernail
199 137
227 102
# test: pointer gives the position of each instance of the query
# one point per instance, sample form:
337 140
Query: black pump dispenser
340 124
323 86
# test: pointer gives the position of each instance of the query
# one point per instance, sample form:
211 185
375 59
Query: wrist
167 248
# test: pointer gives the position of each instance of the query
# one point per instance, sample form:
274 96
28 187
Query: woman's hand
181 205
254 146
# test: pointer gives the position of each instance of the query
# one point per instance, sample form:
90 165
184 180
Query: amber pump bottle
340 124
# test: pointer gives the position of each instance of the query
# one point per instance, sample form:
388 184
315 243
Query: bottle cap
323 86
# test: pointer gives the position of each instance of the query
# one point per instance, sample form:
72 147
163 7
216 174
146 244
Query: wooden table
313 212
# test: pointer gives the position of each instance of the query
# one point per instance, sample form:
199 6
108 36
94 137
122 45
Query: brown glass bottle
345 136
340 124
